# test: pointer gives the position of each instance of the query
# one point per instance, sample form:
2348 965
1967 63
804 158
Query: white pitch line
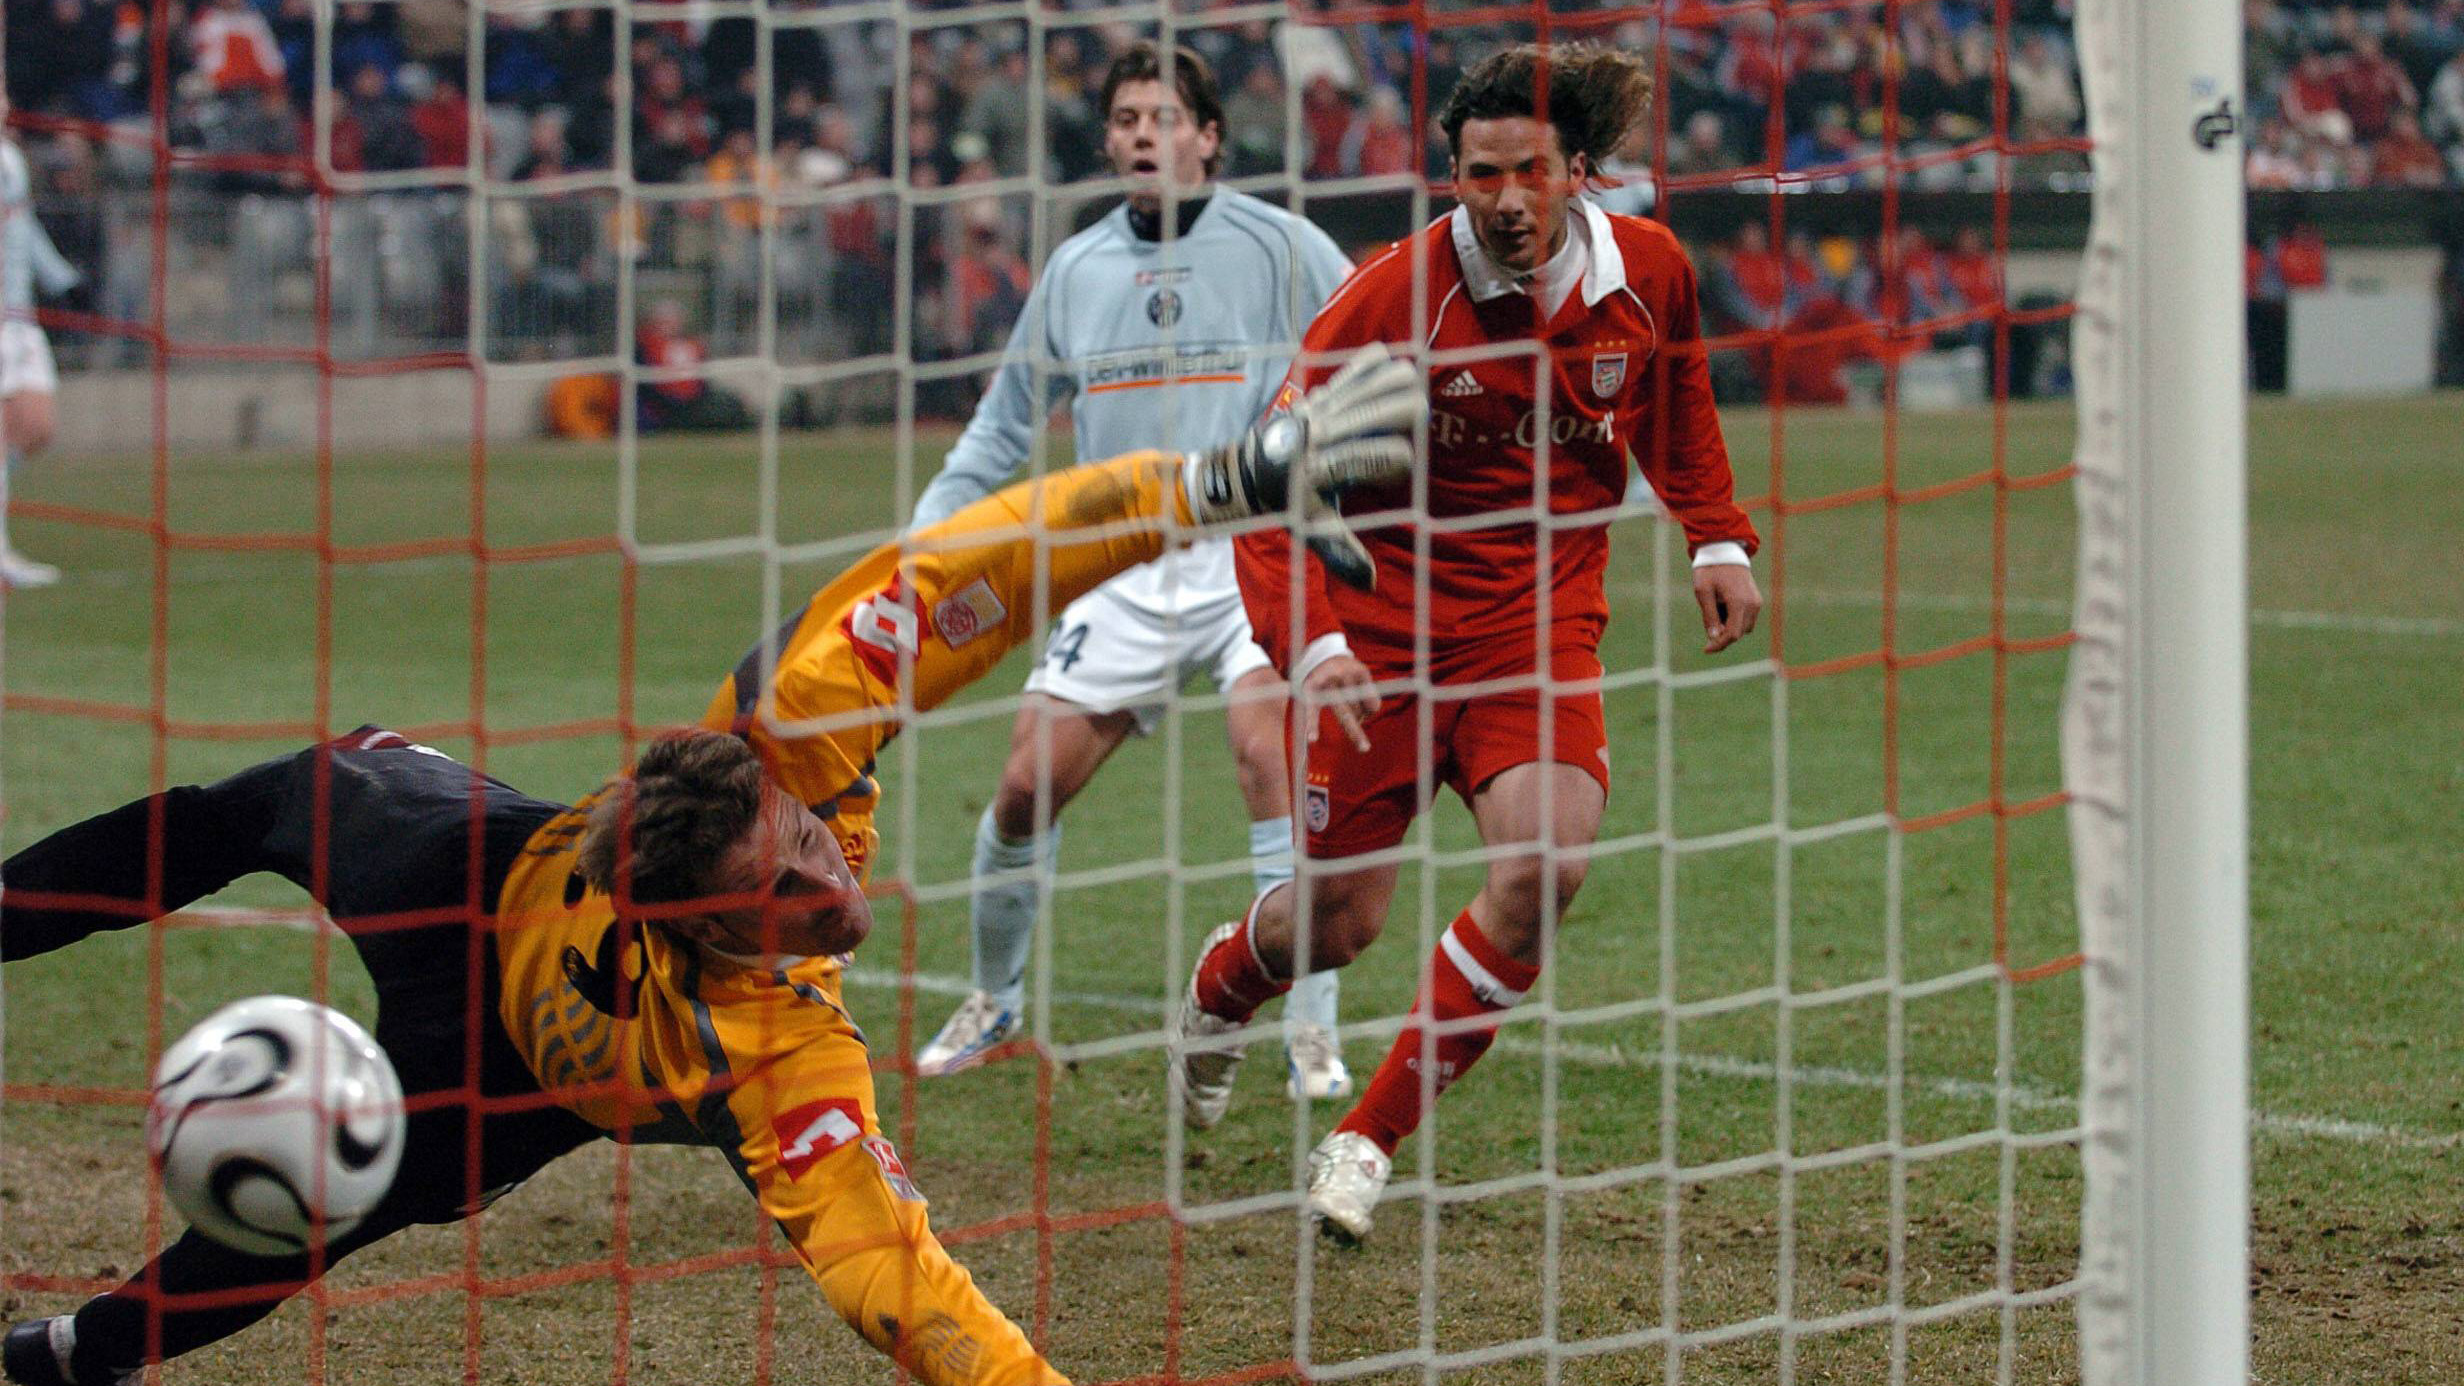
2039 606
1573 1051
2346 623
1726 1066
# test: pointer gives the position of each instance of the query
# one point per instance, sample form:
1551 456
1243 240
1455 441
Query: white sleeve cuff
1322 649
1724 552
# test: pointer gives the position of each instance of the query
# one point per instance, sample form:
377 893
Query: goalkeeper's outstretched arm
937 609
1000 435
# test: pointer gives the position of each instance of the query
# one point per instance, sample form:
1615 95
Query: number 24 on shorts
1065 645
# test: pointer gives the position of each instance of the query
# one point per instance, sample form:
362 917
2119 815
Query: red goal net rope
1771 352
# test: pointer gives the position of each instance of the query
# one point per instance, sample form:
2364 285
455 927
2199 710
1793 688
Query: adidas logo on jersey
1462 386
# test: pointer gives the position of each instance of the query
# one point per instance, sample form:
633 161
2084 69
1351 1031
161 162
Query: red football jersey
1625 378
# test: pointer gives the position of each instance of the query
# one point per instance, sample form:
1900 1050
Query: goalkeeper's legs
140 861
393 822
208 1292
198 1291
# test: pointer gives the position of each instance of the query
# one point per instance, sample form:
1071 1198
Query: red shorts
1363 801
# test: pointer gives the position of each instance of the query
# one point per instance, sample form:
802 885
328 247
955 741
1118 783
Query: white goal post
2156 724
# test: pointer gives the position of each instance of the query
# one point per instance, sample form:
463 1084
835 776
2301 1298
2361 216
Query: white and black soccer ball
272 1111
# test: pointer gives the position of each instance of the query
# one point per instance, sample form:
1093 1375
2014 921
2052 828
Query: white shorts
25 360
1108 655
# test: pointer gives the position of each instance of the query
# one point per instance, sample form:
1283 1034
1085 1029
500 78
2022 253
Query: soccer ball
271 1111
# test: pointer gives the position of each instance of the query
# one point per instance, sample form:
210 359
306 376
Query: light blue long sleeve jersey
26 253
1216 313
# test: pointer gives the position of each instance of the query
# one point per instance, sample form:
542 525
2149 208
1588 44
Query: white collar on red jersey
1484 279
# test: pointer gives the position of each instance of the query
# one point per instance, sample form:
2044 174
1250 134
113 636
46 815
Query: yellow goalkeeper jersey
930 617
639 1032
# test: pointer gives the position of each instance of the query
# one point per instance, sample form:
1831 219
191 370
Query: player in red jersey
1560 341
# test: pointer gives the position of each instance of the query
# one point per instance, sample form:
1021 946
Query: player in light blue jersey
27 380
1164 336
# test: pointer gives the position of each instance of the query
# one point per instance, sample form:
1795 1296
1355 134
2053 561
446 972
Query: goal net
1895 1032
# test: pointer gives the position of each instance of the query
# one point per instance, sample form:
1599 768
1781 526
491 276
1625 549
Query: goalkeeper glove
1354 429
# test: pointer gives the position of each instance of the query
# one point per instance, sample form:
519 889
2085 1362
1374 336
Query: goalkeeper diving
662 961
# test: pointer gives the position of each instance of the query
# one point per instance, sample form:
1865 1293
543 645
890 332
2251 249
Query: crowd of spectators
2339 96
1839 300
562 94
2343 97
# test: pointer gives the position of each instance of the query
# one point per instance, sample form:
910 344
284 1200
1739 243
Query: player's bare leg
1523 894
28 418
1254 722
1484 964
1056 747
1342 433
1251 961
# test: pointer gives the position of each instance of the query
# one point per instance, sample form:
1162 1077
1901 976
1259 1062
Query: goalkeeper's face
1151 140
787 886
1514 179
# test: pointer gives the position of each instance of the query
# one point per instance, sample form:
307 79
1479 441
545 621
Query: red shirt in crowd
2405 159
1326 115
1626 379
654 345
1975 275
235 49
2371 90
1762 276
1385 149
2308 92
2301 257
443 121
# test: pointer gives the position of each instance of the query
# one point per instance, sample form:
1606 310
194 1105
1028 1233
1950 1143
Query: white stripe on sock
1485 985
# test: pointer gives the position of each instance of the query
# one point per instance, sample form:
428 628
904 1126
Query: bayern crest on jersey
1317 808
1608 373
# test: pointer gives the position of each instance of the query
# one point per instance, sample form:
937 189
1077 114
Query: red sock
1468 976
1232 981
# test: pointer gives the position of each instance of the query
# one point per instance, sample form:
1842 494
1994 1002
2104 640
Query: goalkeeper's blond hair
664 826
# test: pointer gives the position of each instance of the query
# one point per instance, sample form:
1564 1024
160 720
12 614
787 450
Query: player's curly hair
691 796
1595 94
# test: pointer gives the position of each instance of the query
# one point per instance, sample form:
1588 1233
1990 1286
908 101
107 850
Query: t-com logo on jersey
1448 429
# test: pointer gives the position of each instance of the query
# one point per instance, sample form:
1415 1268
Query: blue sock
1003 911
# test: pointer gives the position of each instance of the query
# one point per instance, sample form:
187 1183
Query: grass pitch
2357 656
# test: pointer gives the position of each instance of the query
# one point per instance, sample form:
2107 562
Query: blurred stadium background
2341 98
